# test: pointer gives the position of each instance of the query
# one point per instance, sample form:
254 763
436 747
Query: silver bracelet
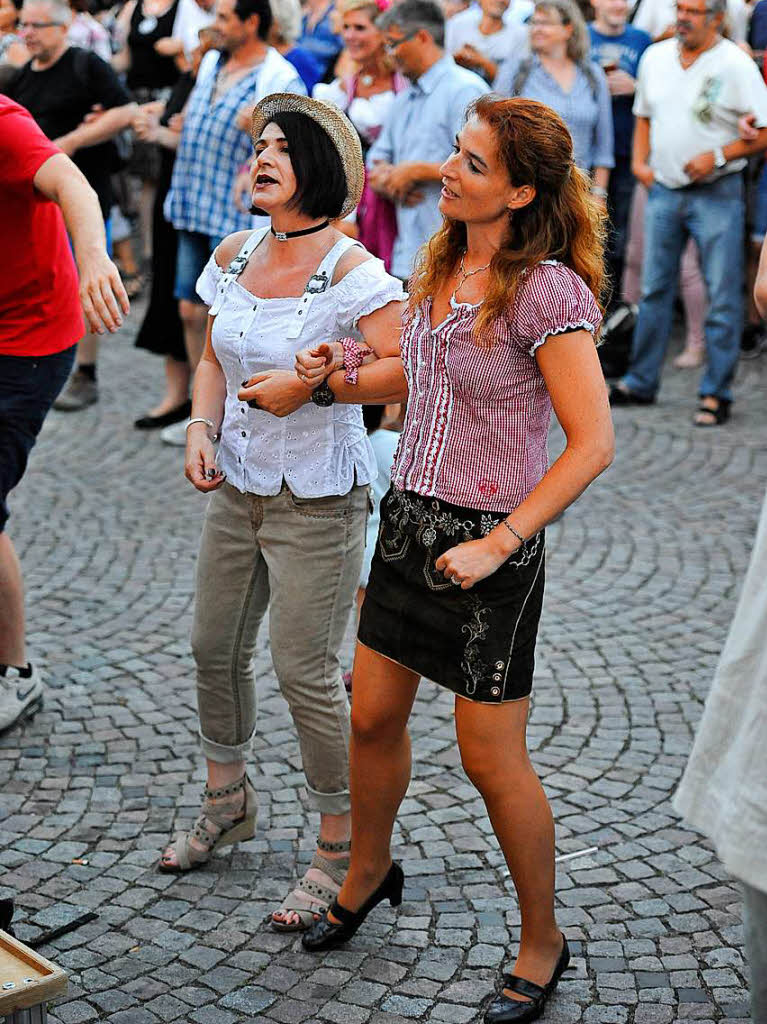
511 529
208 423
598 190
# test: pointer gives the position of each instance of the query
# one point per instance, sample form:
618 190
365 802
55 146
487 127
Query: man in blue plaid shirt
215 143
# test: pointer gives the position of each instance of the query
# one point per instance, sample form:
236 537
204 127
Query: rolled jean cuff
222 754
329 803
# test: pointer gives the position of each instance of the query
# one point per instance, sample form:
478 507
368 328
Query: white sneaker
175 434
21 694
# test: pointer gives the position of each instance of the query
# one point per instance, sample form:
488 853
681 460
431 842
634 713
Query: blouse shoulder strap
318 283
236 267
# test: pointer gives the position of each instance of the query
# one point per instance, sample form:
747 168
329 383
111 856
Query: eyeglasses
697 11
390 45
26 26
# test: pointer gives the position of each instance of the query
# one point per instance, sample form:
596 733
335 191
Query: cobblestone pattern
642 577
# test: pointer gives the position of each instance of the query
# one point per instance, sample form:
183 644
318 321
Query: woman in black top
150 21
150 77
161 331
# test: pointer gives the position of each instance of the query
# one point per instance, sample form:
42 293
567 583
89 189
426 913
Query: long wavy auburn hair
564 221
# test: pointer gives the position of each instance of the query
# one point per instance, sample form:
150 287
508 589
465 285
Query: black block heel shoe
504 1010
326 934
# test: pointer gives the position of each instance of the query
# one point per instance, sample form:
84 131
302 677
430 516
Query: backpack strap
235 268
587 67
522 75
318 283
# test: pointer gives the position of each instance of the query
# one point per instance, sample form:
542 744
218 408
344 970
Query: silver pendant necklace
464 275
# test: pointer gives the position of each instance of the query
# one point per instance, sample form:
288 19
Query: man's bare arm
640 155
760 288
100 129
101 290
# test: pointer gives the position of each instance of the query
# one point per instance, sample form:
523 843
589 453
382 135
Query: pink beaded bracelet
354 354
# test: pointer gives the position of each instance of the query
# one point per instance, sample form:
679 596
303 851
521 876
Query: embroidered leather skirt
479 643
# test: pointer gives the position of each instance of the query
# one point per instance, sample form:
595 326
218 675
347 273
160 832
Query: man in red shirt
41 321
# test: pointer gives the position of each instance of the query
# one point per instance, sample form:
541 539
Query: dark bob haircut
320 180
245 9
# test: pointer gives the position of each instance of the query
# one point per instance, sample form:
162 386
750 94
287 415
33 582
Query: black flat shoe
504 1010
326 934
175 415
622 396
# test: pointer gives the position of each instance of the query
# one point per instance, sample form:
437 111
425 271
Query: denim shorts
28 387
192 253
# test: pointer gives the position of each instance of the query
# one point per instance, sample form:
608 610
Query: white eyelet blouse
316 451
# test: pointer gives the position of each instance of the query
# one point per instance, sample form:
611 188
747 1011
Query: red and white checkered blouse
477 417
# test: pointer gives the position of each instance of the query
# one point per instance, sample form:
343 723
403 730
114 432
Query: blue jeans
619 195
714 215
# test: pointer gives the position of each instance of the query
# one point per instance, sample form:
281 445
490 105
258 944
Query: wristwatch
719 158
323 395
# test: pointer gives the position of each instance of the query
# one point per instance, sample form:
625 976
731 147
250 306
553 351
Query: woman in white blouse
365 97
285 527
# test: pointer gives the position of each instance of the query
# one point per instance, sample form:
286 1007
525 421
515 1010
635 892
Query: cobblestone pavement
643 575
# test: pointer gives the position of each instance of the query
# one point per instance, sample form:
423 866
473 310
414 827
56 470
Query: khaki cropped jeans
301 558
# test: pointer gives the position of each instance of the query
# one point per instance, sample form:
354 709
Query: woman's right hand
200 463
314 365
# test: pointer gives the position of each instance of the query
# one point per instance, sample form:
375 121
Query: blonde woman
559 72
366 97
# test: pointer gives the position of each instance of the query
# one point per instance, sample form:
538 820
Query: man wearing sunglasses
423 121
690 93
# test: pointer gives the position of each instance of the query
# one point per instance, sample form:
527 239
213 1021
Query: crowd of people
271 177
125 91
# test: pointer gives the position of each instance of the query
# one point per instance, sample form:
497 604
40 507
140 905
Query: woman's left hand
314 365
471 562
279 392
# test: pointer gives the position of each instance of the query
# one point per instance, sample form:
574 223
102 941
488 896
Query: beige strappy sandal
310 898
214 829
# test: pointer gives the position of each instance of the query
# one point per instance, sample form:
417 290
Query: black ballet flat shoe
622 396
326 934
174 415
504 1010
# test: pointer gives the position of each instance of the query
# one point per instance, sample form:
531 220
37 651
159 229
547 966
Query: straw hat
335 123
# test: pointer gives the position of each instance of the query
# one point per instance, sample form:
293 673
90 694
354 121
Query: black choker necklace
283 236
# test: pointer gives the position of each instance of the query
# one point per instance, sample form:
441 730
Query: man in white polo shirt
690 93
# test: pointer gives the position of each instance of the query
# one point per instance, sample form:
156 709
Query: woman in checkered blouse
499 329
